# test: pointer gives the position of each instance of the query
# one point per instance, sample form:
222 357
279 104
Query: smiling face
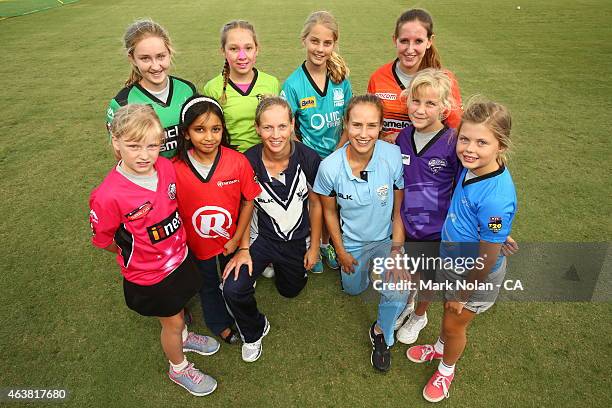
205 134
275 129
477 148
411 44
138 157
425 109
319 45
152 59
240 51
363 127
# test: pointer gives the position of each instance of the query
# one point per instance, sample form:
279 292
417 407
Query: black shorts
168 297
429 252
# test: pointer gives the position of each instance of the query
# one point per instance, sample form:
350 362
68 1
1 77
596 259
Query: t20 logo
212 222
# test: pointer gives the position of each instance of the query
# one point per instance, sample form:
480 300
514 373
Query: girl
215 191
413 39
287 218
431 168
317 92
133 213
365 179
240 86
149 51
478 222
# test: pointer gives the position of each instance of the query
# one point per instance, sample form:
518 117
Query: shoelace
442 381
193 373
428 352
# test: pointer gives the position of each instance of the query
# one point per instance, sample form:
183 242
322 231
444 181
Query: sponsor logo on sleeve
93 219
165 228
406 159
307 103
495 224
172 191
139 212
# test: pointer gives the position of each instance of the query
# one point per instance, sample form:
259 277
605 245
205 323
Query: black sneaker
381 355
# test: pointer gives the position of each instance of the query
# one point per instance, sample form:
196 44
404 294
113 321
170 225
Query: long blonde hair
138 31
336 66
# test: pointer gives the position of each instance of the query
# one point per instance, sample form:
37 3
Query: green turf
64 319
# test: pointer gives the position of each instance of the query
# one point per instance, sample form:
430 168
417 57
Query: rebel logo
164 229
212 222
139 212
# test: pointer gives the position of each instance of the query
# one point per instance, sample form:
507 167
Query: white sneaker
252 351
409 332
268 272
402 317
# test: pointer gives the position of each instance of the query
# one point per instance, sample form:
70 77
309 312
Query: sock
324 246
185 333
421 317
446 370
180 366
439 346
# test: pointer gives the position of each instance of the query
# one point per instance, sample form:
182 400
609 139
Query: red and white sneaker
422 354
437 387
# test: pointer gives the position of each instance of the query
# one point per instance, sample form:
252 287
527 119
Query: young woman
317 92
286 224
479 220
414 43
240 86
133 214
149 51
215 191
365 180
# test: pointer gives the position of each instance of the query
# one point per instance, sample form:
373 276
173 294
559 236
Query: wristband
243 249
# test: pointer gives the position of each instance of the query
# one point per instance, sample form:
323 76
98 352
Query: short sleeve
210 90
348 92
289 94
277 87
103 220
324 183
110 114
398 169
495 219
248 182
371 85
311 164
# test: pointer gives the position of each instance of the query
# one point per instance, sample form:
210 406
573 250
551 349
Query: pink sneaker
422 354
437 387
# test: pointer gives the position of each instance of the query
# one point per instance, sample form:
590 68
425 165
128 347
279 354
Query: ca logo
212 222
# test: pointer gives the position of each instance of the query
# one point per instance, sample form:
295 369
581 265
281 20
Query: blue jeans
216 316
392 302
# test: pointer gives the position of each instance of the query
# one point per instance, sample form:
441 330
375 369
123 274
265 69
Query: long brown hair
431 59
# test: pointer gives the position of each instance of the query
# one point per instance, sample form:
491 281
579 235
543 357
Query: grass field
62 311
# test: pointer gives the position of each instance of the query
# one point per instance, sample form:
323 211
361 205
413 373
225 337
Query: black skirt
168 297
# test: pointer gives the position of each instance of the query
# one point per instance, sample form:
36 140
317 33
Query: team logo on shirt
435 165
139 212
495 224
93 219
383 194
172 191
165 228
310 102
259 97
338 97
406 159
212 222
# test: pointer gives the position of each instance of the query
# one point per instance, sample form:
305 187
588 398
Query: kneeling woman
286 220
365 179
